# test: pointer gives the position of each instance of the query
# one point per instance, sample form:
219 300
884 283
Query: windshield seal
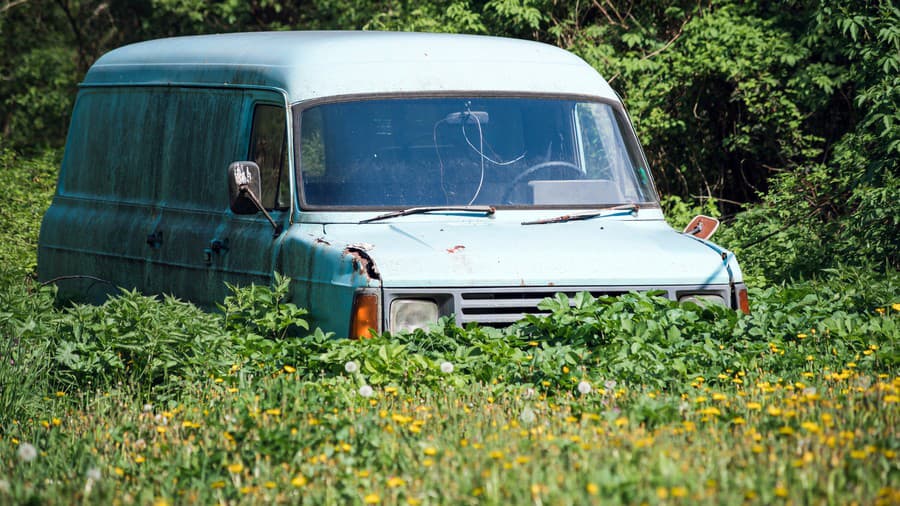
622 119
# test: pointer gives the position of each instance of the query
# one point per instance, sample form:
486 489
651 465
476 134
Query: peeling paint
362 261
456 248
319 240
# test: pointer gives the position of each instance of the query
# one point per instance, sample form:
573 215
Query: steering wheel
535 168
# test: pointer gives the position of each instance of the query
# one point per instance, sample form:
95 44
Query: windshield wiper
488 210
631 208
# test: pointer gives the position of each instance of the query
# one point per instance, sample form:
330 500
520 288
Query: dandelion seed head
351 367
26 452
366 391
446 367
584 387
94 474
527 416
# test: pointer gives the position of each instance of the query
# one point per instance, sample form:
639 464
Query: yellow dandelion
270 485
217 484
288 369
430 451
235 468
801 336
427 462
273 411
812 427
679 492
891 399
895 306
139 459
738 421
523 459
773 411
395 482
781 492
118 471
785 430
161 429
662 492
858 454
756 448
754 406
60 394
496 455
372 499
299 481
592 489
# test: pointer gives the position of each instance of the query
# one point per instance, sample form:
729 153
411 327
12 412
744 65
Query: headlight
411 314
703 299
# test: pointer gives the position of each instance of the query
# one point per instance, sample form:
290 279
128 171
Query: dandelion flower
94 474
26 452
584 387
366 391
446 367
372 499
351 367
289 369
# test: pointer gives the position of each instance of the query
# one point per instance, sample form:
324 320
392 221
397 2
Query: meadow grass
819 435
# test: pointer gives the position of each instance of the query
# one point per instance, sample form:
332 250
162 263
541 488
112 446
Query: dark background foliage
782 117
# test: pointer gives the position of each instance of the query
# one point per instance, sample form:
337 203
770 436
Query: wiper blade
631 208
488 210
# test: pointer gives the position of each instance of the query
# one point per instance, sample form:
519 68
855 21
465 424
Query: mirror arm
253 198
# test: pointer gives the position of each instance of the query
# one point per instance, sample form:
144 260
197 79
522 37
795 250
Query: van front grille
502 306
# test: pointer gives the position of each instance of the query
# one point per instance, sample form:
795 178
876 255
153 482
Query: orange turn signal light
743 301
364 318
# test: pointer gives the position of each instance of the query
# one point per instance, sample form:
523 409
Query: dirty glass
269 150
518 152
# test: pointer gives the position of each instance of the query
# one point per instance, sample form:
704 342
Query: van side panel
100 218
144 167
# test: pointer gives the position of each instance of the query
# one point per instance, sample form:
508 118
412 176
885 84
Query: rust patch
363 262
456 248
319 240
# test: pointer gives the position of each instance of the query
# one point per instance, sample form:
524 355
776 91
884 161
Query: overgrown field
605 401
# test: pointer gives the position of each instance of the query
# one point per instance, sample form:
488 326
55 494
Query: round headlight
411 314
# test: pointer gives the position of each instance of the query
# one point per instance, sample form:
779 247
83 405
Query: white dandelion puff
366 391
584 387
446 367
26 452
94 474
527 416
351 367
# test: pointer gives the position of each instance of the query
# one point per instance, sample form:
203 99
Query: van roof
311 65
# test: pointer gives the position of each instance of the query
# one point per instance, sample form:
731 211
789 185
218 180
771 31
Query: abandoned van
395 177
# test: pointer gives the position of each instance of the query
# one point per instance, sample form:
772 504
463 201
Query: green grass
611 401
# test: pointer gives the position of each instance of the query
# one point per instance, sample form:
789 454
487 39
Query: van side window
269 150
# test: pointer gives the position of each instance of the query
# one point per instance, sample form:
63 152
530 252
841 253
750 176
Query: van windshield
515 152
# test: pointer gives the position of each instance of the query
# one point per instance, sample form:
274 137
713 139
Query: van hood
487 252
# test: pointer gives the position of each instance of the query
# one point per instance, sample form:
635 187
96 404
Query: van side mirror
244 188
702 227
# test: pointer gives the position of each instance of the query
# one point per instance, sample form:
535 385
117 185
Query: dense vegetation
780 117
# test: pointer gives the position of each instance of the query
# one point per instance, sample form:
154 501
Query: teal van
395 177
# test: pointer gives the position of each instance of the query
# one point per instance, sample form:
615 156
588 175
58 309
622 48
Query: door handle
216 247
155 239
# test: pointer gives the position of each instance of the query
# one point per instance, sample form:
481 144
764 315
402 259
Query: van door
243 248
